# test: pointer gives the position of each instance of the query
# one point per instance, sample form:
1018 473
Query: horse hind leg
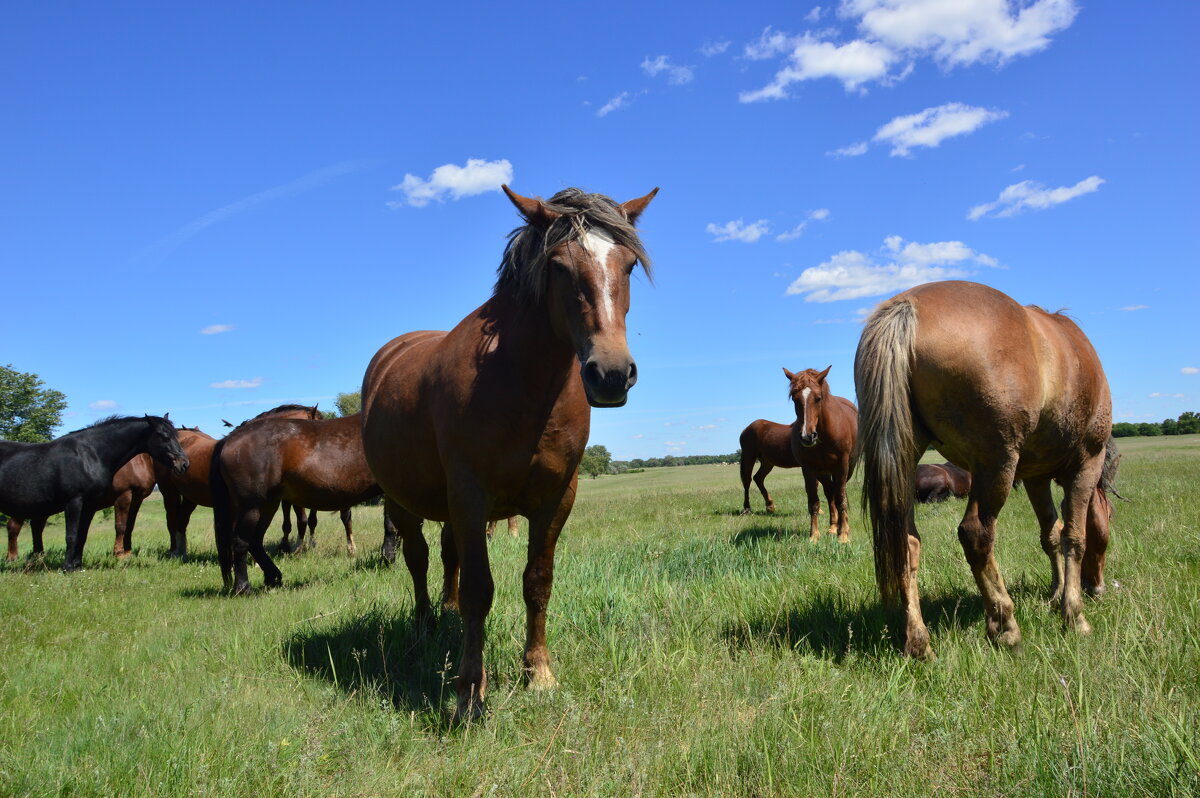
398 522
760 479
123 514
1042 501
285 543
1099 515
14 531
977 534
514 526
831 499
449 569
1079 493
348 525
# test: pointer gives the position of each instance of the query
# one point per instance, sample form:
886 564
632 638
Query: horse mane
280 409
106 421
523 265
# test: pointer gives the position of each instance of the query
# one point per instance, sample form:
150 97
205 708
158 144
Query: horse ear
633 209
167 416
821 376
789 374
533 209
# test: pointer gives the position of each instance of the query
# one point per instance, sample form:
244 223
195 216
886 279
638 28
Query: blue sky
213 209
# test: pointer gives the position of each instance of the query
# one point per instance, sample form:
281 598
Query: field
699 652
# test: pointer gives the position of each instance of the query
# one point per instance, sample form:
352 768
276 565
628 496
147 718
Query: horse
771 444
73 473
183 493
1006 392
491 419
823 438
315 463
132 483
936 483
309 522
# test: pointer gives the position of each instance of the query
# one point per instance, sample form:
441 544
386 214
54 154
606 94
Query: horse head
808 392
163 444
580 250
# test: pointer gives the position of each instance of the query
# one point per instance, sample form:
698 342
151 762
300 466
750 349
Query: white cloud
814 15
620 101
639 436
714 48
961 32
853 63
791 235
214 329
1135 307
706 426
451 181
1189 370
770 44
1029 195
851 274
675 444
931 127
850 150
253 383
738 231
1157 395
102 404
676 75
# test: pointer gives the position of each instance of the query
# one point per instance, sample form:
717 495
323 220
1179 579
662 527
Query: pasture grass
700 653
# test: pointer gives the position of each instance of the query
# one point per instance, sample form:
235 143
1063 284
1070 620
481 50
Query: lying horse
1006 392
823 437
491 419
770 444
72 474
132 483
936 483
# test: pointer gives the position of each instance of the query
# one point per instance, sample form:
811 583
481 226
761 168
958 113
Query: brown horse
491 419
771 444
823 438
132 483
1006 392
315 463
936 483
183 493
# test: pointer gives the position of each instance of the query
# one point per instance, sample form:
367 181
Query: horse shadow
758 533
216 591
394 658
833 628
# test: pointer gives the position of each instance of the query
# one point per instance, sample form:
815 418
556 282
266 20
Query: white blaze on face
599 246
804 404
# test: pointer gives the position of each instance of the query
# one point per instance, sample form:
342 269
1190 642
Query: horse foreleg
977 534
121 540
398 522
544 529
285 544
184 514
1078 494
468 517
36 527
831 499
1099 514
78 519
14 531
449 569
312 532
1042 500
814 505
348 525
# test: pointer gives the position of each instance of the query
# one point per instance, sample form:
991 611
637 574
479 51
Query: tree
348 404
595 461
29 412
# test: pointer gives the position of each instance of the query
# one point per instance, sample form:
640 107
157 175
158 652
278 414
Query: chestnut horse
183 493
936 483
771 444
1006 392
823 438
315 463
491 419
132 483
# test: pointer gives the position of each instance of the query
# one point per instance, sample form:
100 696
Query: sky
210 209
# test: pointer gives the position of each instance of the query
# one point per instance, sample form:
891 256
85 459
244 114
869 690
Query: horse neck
117 444
527 336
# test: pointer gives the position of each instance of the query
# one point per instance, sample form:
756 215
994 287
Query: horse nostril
631 378
591 372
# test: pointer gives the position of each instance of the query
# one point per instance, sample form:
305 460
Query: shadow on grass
393 657
831 628
215 590
755 534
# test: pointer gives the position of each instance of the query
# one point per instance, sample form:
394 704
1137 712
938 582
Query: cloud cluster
894 34
1029 195
102 404
451 181
819 215
620 101
676 75
852 274
1189 370
738 230
216 329
251 383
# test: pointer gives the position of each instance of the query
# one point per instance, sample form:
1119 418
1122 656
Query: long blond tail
885 436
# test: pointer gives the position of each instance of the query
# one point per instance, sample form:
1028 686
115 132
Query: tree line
1187 424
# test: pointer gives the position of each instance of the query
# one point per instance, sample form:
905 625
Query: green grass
699 652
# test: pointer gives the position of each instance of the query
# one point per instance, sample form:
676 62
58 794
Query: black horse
71 474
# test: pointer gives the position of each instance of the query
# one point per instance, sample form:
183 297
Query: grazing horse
491 419
73 473
823 438
936 483
132 483
183 493
771 444
315 463
1006 392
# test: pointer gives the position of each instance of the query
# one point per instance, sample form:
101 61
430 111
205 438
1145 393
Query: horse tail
222 514
1108 474
885 442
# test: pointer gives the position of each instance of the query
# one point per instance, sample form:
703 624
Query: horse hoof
540 679
917 646
745 511
468 711
243 590
351 551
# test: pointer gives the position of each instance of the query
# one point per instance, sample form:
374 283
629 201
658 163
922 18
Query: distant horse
132 483
491 419
771 444
309 524
314 463
513 527
823 438
936 483
183 493
1006 392
73 473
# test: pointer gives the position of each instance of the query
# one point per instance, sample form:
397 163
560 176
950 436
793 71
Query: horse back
768 441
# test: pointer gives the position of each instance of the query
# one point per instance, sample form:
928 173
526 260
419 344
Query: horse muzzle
809 440
180 464
608 386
